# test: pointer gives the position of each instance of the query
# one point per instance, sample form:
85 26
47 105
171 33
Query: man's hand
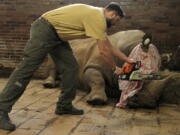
118 70
130 61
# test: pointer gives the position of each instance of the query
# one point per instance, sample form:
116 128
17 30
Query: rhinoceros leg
50 81
95 80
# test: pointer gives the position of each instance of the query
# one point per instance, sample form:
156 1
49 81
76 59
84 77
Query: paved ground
34 115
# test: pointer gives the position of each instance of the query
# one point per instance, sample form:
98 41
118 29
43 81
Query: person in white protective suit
150 59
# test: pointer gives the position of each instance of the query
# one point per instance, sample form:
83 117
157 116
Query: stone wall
159 17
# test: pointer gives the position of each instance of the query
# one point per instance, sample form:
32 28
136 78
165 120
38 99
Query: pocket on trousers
34 48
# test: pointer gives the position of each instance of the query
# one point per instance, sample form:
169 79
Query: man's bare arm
107 51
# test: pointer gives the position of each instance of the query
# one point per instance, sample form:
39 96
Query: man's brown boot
72 111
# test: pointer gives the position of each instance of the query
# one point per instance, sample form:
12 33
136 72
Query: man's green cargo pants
43 40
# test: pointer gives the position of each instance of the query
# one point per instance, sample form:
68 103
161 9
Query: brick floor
34 114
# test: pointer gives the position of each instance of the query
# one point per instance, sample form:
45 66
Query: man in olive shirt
49 34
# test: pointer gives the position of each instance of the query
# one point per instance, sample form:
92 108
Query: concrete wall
160 17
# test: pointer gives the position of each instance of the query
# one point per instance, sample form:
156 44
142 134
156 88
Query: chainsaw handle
128 67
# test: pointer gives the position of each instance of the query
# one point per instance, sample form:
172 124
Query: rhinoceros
96 76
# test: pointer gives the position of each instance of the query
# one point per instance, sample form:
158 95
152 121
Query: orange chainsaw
131 72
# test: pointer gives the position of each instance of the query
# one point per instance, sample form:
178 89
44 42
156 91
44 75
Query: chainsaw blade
137 76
